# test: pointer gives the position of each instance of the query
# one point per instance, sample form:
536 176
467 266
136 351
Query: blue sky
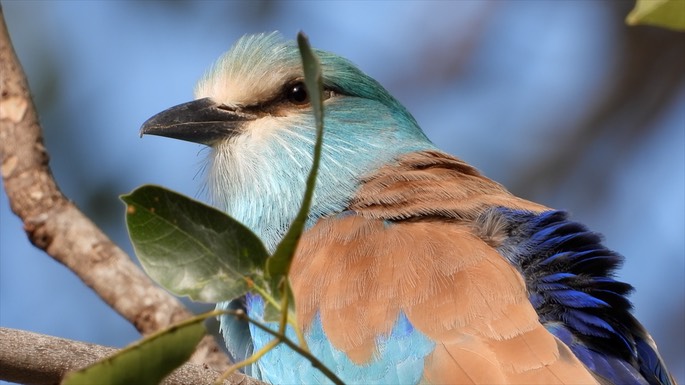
503 85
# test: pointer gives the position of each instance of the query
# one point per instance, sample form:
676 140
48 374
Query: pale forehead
254 70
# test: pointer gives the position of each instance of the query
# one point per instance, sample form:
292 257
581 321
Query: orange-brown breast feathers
407 246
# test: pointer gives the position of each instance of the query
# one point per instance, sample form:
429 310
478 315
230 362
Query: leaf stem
292 320
248 361
281 259
267 297
284 305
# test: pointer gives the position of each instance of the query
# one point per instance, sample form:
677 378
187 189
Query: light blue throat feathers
259 178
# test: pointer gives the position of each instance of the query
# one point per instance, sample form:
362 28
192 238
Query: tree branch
54 224
31 358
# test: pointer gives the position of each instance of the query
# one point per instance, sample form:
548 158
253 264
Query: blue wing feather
652 364
569 275
236 333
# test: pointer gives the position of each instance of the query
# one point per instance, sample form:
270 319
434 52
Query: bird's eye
297 94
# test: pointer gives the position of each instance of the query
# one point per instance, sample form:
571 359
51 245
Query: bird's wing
569 274
408 247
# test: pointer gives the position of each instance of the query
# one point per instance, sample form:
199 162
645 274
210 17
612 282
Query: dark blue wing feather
570 279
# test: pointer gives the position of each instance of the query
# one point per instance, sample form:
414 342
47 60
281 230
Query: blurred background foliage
558 100
662 13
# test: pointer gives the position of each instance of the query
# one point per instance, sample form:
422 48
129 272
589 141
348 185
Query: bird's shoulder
431 184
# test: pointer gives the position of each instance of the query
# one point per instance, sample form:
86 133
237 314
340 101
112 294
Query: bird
413 267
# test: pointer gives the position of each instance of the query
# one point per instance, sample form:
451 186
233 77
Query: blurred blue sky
503 85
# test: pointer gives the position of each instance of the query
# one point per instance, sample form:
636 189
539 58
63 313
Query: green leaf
147 361
190 248
663 13
278 265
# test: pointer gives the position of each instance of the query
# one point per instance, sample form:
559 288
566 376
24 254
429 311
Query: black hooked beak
201 121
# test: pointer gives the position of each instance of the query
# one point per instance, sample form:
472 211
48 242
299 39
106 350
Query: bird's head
252 108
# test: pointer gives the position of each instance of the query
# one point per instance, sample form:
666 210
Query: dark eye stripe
293 93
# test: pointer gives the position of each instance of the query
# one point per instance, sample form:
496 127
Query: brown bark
31 358
54 224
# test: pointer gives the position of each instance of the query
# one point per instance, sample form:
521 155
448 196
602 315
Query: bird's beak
201 121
